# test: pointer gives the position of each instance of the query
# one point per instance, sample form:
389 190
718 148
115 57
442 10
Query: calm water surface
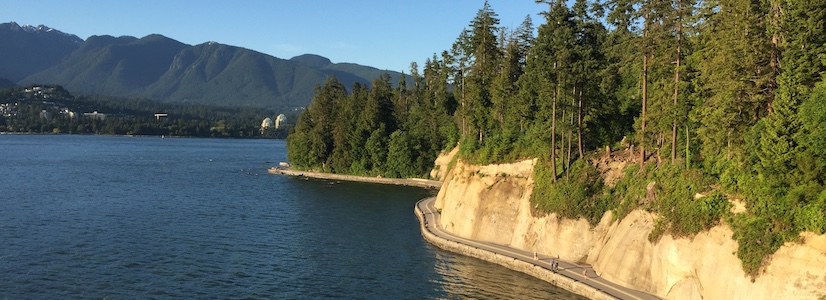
92 217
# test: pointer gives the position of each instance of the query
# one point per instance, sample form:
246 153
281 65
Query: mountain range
161 68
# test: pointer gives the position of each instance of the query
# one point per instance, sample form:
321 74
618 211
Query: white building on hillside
266 124
280 120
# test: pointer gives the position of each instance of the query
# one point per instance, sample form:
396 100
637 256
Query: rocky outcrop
492 203
442 164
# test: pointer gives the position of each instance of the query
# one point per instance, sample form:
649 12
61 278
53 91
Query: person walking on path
555 266
585 273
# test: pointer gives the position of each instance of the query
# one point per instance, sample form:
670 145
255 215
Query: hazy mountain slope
25 50
347 73
4 83
162 68
122 66
220 74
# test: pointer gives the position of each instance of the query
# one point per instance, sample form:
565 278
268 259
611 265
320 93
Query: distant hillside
4 83
345 72
25 50
106 65
162 68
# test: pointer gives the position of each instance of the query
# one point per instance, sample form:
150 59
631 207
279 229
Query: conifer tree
486 57
734 78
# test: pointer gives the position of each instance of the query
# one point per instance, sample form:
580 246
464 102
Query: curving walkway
414 182
569 276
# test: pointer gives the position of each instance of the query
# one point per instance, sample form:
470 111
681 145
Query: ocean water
101 217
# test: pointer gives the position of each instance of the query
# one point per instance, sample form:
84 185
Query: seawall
414 182
561 281
492 204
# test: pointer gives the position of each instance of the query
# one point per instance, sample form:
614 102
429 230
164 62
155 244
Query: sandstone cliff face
492 203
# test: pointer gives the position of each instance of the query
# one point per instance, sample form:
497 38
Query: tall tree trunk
562 143
553 126
502 116
687 150
644 91
570 137
775 53
677 80
579 126
568 161
464 108
644 102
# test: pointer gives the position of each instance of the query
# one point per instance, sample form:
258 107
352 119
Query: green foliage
700 78
378 131
669 191
580 196
756 241
400 151
630 191
376 146
675 202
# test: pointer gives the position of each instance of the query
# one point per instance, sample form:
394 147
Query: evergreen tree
734 74
400 155
313 144
548 71
485 63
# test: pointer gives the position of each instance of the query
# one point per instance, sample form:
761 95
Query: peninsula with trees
715 110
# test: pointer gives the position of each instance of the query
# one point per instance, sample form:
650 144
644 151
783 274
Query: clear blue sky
385 34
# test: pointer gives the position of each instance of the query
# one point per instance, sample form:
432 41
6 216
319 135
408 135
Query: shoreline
141 135
568 277
413 182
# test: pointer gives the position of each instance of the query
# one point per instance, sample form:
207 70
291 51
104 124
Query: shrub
756 241
581 195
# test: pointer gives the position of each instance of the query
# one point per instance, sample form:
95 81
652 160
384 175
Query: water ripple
121 218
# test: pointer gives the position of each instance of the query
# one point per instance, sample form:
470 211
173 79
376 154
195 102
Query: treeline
717 98
382 131
48 112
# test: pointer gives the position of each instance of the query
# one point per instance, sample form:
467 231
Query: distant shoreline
144 135
414 182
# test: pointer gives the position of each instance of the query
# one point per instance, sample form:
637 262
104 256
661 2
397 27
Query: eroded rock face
492 203
442 163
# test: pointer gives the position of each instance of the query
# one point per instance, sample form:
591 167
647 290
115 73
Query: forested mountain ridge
161 68
25 50
721 99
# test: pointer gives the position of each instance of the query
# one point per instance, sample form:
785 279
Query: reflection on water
93 217
466 277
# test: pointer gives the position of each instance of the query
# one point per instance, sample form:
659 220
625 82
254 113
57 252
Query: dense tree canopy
719 97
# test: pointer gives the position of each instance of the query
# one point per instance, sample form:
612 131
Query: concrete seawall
559 280
414 182
429 221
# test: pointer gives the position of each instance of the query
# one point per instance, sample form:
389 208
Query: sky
385 34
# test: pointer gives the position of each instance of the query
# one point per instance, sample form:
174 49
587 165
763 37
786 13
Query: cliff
492 203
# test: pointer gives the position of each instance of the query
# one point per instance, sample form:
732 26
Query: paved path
567 269
414 182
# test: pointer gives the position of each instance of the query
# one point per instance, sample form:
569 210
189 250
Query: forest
716 102
52 109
